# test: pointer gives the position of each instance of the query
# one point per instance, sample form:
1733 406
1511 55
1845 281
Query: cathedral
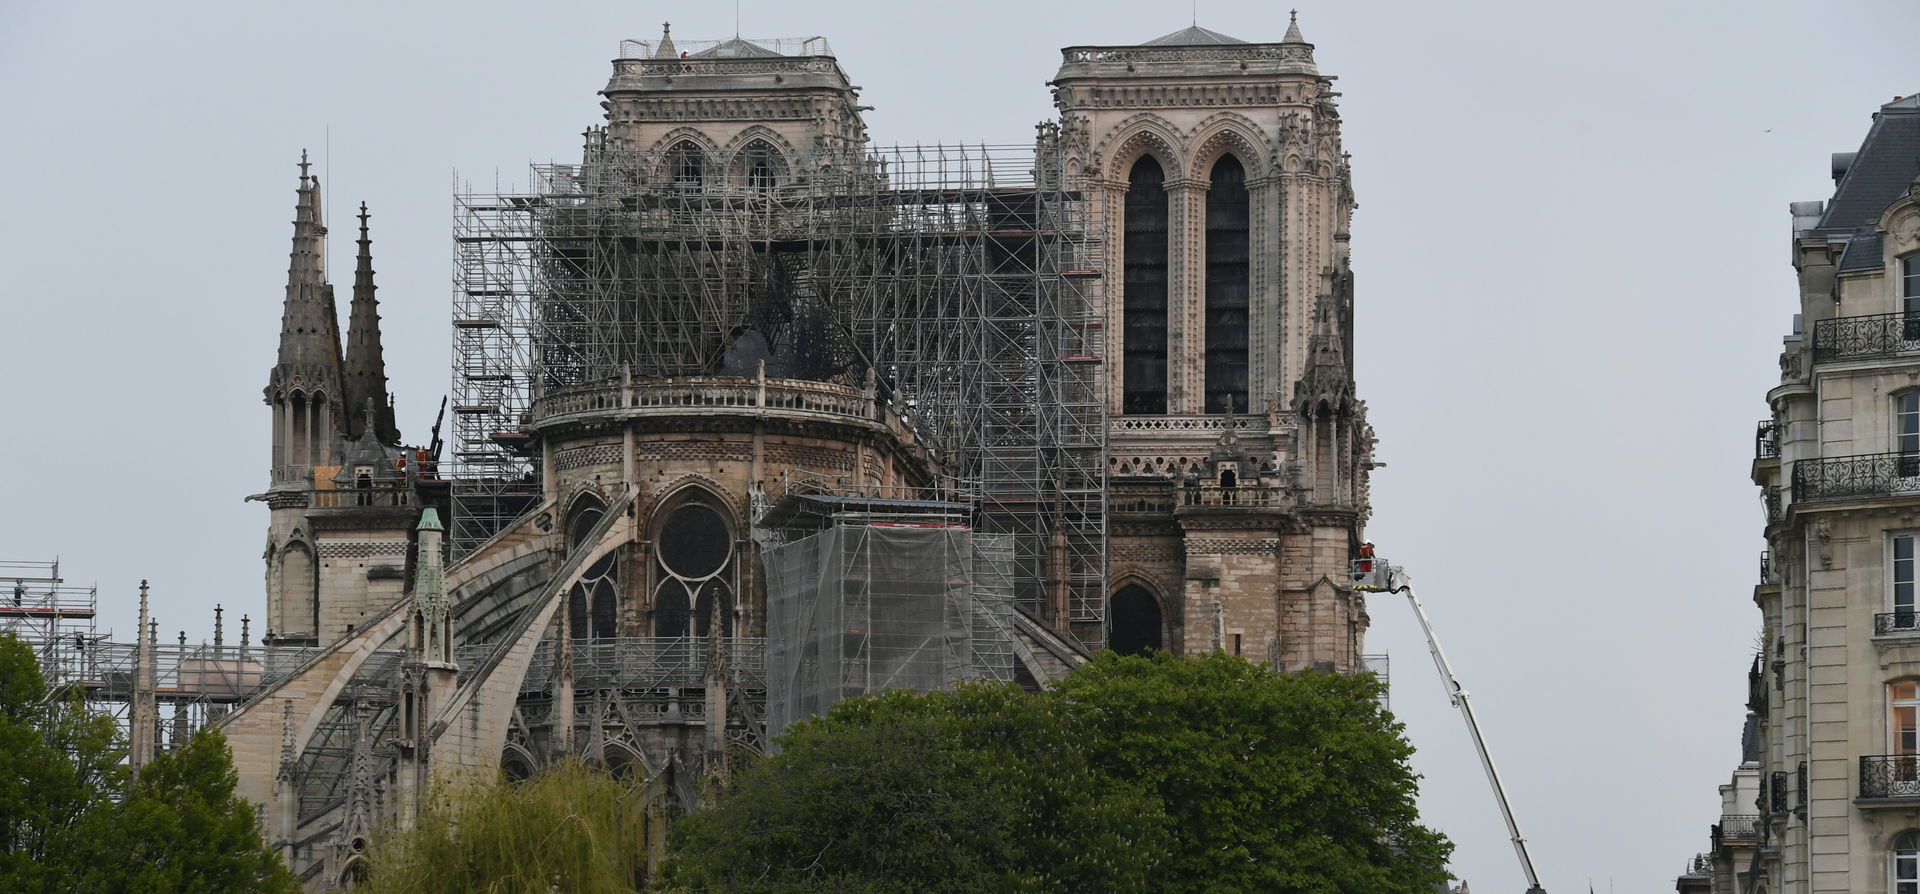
747 411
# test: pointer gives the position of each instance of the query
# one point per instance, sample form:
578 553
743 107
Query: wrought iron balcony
1766 567
1766 441
1770 498
1897 623
1856 477
1860 338
1800 789
1885 776
1777 792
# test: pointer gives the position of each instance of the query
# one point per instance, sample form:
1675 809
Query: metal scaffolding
963 280
54 619
866 606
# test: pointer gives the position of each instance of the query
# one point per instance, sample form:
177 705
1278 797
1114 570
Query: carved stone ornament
1907 233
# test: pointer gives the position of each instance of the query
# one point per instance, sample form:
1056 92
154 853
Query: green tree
181 828
1133 774
979 789
59 766
571 828
70 820
1272 781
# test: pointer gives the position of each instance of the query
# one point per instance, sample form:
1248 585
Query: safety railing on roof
675 397
1237 52
732 48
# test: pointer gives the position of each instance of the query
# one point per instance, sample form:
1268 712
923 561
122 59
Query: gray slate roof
1191 36
1888 161
1863 251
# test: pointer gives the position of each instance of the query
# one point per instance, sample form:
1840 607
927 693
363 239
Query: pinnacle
1293 28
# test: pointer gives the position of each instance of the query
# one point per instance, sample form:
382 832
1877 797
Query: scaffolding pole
963 281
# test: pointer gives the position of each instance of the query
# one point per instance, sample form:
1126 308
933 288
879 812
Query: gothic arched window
593 603
1228 285
759 166
1134 621
1143 374
687 164
695 569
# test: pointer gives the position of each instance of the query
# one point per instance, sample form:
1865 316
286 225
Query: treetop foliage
571 828
71 820
1132 774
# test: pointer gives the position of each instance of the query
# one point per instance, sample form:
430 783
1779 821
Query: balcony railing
1246 496
1777 792
1889 776
1896 623
1770 498
1800 789
1766 441
1766 567
1855 477
1736 828
1859 338
348 497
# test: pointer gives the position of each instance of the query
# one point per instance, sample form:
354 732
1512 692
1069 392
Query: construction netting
864 608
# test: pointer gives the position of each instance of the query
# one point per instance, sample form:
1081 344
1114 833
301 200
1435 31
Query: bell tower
1238 454
341 493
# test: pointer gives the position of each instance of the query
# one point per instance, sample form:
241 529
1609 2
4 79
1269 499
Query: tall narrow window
1906 863
1906 432
1903 732
1910 285
1227 288
1144 313
1903 595
592 605
1910 297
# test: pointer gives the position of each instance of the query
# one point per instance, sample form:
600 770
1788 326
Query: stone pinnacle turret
365 369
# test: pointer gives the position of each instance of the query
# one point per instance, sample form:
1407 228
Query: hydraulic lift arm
1374 575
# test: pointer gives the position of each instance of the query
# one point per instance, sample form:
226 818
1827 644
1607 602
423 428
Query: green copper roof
429 521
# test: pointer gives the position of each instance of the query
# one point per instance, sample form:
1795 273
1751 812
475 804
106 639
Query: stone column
1266 311
1186 295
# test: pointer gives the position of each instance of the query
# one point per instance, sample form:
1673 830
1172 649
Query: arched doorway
1133 618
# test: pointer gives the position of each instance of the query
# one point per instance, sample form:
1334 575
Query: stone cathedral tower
342 496
1239 454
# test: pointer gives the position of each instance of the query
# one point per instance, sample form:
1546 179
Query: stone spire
307 333
430 607
666 50
304 386
365 369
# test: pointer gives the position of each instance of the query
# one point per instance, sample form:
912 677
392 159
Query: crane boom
1374 575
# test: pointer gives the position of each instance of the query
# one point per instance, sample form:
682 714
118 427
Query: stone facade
1236 520
1838 463
616 616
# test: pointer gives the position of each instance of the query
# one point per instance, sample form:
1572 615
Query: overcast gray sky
1571 249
